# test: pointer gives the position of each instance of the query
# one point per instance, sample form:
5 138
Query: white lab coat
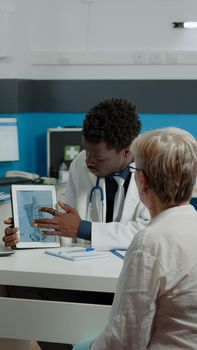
104 235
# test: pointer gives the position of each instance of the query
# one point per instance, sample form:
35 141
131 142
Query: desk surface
35 268
50 320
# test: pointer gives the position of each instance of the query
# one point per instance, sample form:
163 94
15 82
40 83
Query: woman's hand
64 224
11 237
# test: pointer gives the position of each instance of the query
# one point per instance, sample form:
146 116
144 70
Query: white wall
113 39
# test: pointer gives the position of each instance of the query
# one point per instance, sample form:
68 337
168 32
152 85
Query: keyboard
13 180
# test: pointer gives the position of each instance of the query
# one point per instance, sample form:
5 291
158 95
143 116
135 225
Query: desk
51 320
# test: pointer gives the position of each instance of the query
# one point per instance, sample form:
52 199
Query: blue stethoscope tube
94 190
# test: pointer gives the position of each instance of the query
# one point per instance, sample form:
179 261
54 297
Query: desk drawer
51 321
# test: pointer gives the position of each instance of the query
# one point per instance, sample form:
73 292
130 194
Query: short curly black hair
113 121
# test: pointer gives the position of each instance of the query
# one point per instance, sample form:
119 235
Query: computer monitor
63 144
9 150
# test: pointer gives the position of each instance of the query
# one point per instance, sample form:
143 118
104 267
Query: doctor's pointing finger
64 223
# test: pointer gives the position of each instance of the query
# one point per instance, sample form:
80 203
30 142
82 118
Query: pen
87 250
114 251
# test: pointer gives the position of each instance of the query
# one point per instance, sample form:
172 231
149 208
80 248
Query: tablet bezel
15 189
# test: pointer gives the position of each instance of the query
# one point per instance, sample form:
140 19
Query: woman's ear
144 181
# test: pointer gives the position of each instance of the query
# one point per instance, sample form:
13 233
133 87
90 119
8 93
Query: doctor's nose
90 160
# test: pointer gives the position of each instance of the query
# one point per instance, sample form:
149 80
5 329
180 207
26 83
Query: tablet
26 201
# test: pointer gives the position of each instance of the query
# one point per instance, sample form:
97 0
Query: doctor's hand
11 234
63 223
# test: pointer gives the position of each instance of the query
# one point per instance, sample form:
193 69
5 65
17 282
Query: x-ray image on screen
29 203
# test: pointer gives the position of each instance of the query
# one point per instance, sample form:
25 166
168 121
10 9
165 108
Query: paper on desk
74 256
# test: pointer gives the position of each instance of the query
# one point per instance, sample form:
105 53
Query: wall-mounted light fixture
185 25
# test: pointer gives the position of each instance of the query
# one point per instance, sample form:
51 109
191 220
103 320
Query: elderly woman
155 306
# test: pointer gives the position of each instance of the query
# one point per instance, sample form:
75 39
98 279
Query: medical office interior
59 58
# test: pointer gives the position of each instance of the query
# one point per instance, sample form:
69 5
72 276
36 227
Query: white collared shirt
155 306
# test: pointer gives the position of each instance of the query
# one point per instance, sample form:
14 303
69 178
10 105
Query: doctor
97 209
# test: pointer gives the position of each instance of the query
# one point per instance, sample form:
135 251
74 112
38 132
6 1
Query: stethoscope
97 189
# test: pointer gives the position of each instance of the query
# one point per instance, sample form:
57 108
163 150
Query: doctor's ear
127 152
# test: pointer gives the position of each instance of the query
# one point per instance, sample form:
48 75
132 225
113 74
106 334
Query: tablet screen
26 202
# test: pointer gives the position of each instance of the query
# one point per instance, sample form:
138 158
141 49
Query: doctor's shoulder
78 161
